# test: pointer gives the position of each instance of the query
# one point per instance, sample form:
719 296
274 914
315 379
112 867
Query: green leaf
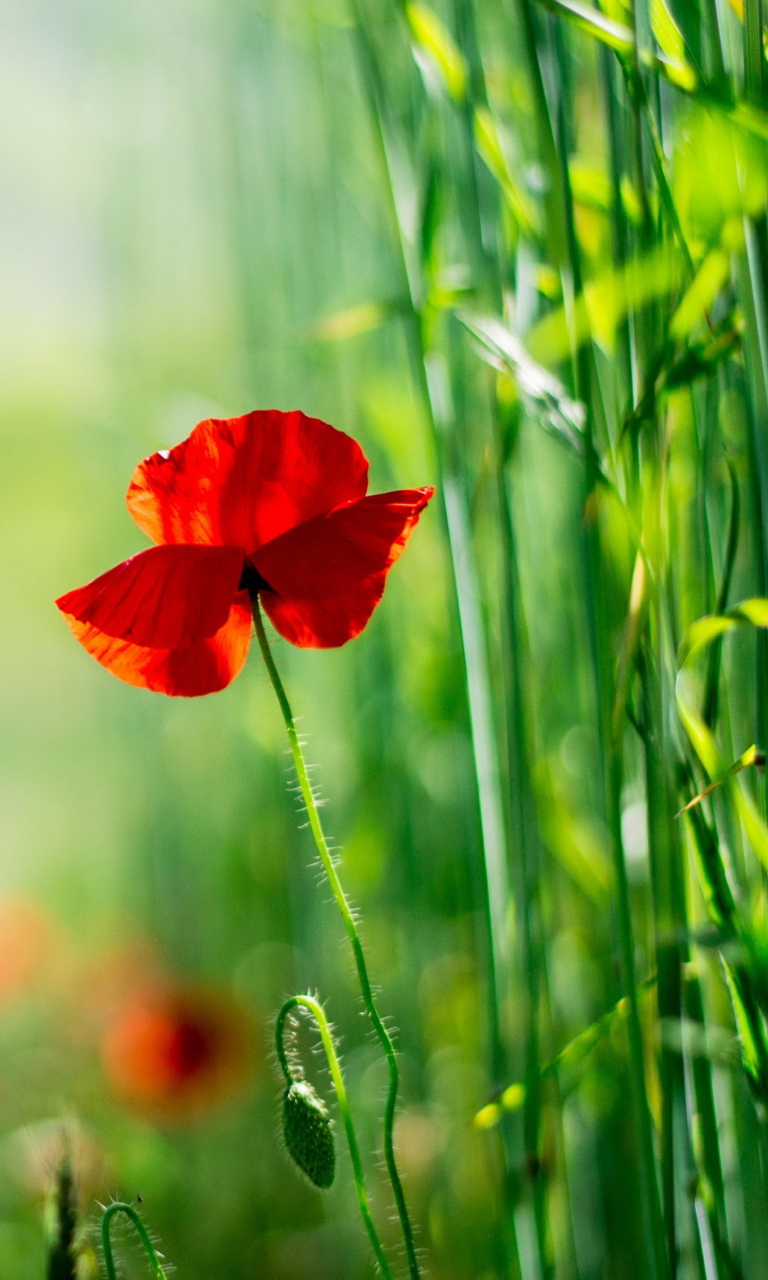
753 612
700 735
574 842
680 74
754 827
590 187
701 293
667 32
698 360
547 399
571 1055
434 40
750 1049
595 24
604 304
750 118
749 757
490 149
703 632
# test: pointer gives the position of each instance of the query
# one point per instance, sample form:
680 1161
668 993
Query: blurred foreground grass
521 254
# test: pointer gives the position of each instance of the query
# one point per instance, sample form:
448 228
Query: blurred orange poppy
174 1052
26 937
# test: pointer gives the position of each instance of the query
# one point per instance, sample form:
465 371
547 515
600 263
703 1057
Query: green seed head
308 1133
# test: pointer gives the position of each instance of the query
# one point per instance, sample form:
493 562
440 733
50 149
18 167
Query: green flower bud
308 1133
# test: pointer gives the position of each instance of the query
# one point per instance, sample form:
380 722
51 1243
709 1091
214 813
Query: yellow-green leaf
574 843
700 735
667 32
754 827
513 1097
750 118
353 321
749 1049
747 758
703 632
701 293
604 304
754 611
434 39
594 23
590 187
490 148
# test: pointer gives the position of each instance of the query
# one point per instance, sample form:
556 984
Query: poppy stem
348 918
334 1066
121 1206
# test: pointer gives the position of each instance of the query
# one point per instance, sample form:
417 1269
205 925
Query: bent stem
334 1066
121 1206
352 933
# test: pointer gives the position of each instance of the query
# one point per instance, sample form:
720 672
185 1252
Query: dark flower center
191 1049
251 580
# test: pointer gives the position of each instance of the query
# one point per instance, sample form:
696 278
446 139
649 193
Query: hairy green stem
121 1206
334 1066
348 918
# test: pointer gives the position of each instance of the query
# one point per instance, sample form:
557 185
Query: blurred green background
209 206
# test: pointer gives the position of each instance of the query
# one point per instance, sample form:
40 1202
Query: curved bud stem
345 911
334 1066
121 1206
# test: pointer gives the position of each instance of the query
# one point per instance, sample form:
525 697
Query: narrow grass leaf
666 31
749 757
703 632
490 149
547 398
604 304
701 293
434 40
754 827
701 737
573 842
750 118
570 1056
753 612
750 1048
593 23
590 187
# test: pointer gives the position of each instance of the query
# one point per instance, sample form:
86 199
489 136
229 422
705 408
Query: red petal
204 666
244 481
328 575
163 597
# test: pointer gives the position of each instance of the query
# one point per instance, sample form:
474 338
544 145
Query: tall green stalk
433 385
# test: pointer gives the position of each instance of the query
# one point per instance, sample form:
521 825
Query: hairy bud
308 1133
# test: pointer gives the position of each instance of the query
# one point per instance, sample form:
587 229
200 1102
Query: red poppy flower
273 503
175 1052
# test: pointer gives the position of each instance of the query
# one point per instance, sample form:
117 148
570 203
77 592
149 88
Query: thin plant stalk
610 732
121 1206
346 913
334 1066
432 384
